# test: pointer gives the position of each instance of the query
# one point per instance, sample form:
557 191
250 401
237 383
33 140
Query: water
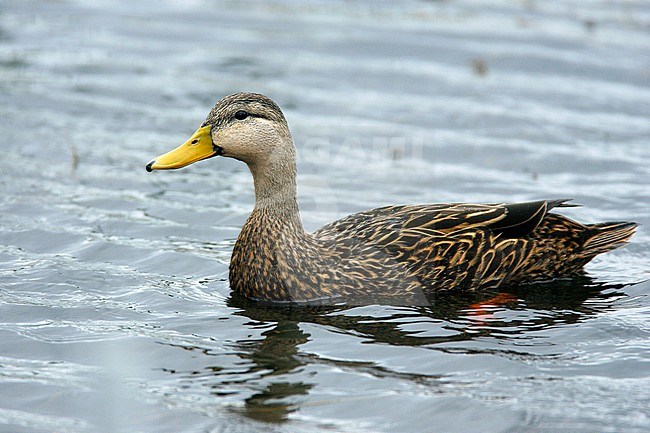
115 311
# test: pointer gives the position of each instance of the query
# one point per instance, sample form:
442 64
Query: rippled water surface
115 310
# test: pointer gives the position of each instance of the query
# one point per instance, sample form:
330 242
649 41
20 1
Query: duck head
249 127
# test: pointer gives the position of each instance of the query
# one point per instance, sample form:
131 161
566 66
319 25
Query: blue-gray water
115 310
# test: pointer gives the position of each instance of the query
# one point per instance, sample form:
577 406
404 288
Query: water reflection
275 355
271 366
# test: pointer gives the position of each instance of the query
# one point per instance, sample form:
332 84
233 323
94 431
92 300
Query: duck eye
241 115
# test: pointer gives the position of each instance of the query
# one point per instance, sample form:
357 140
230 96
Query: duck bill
198 147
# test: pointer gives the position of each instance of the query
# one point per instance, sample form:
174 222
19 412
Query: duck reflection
544 305
274 361
275 355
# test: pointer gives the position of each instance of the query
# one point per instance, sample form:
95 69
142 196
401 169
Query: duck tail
604 237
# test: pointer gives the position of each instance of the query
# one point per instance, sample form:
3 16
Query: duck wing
381 225
448 246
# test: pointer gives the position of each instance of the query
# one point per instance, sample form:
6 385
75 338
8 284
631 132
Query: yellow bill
198 147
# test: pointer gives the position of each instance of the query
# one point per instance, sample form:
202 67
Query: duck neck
275 191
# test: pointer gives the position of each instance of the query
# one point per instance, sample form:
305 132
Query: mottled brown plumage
397 254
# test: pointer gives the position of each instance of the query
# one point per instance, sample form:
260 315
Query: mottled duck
399 254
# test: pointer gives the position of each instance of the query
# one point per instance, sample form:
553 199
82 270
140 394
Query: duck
401 254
